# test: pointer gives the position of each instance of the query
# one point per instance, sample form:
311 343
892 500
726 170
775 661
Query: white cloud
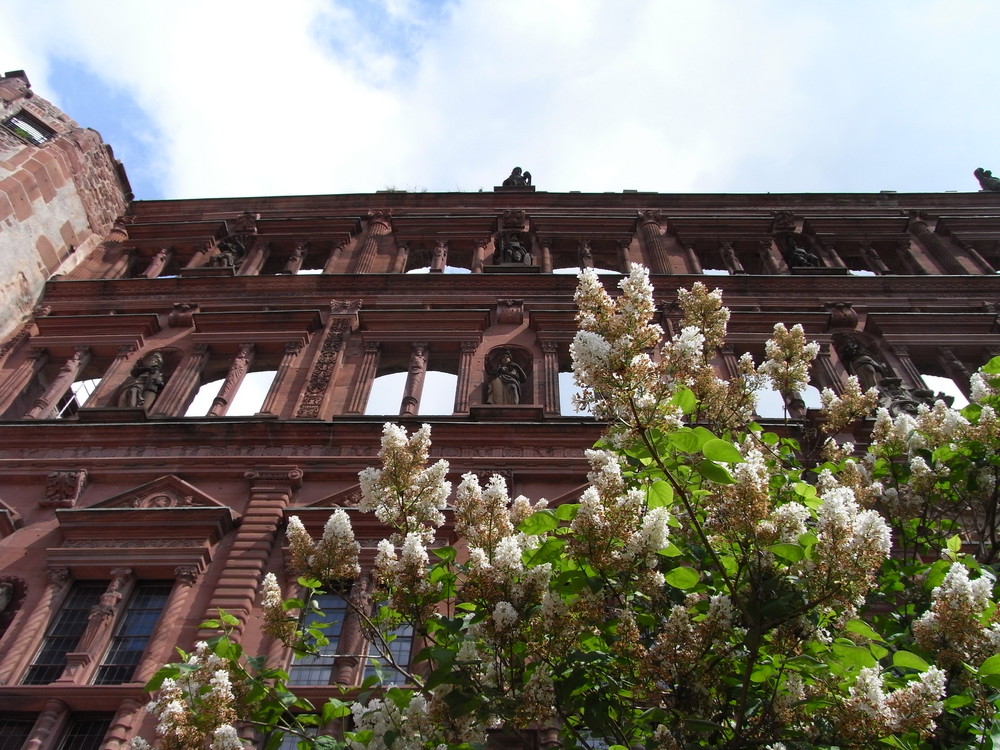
255 98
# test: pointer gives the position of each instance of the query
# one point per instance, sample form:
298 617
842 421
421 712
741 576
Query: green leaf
992 367
790 552
909 660
685 399
805 489
721 450
567 511
445 554
335 709
660 495
539 522
671 550
990 666
704 435
682 577
864 629
228 619
851 655
955 543
684 440
957 701
761 672
548 552
714 472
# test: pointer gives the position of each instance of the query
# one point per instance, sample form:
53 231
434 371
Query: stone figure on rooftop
987 182
517 179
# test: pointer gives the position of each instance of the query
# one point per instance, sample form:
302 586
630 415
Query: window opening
14 731
64 632
399 649
948 387
567 270
75 397
567 389
436 397
85 732
317 669
715 272
447 269
133 633
29 127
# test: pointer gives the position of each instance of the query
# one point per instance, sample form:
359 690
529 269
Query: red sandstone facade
117 499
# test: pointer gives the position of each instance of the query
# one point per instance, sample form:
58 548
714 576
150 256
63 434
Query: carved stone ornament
291 475
63 488
842 314
186 574
504 377
784 221
510 311
182 315
322 372
987 182
13 591
518 179
649 216
344 306
512 219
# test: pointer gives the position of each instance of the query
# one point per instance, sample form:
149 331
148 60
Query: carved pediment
166 492
347 498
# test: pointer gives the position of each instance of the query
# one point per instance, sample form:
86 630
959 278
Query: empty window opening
567 270
948 387
75 397
247 401
567 390
437 396
715 271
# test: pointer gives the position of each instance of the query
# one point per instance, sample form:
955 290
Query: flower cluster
870 711
200 707
405 493
788 359
953 629
852 404
334 557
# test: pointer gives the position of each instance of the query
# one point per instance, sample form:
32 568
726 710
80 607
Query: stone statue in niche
517 179
144 383
514 250
230 255
6 595
505 380
801 258
987 182
869 371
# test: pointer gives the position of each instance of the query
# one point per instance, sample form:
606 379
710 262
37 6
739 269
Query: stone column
479 255
872 258
468 351
292 349
114 376
24 645
977 258
694 265
48 726
295 260
254 259
94 640
184 382
199 256
119 269
624 262
414 380
439 261
379 225
158 263
365 378
825 371
22 377
46 403
937 249
343 317
902 354
652 240
729 361
402 256
164 637
352 639
550 375
730 258
120 732
956 369
333 259
271 489
771 263
237 371
913 265
545 247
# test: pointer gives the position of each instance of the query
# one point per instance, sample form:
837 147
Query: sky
219 98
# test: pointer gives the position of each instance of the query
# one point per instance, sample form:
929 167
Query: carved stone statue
505 380
869 371
144 383
230 255
987 182
517 179
6 595
514 251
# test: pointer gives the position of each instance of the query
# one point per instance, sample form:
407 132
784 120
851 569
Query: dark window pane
85 732
135 627
64 632
317 669
14 730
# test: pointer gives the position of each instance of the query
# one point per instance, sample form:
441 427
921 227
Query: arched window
437 396
247 401
567 389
